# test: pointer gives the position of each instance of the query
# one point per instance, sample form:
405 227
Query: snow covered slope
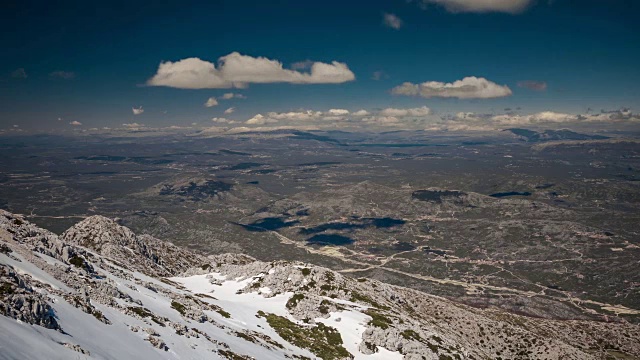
100 291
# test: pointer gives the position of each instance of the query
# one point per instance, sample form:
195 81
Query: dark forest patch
436 195
197 191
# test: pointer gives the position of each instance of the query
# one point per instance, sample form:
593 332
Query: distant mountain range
552 135
101 291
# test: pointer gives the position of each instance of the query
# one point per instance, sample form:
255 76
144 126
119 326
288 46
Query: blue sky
89 63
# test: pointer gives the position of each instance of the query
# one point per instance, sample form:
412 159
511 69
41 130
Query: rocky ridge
101 277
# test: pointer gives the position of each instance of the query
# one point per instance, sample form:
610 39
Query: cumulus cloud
407 118
382 120
59 74
361 112
343 118
237 70
133 125
260 119
228 96
481 6
211 102
190 73
244 129
533 85
221 120
470 87
421 111
544 118
338 112
392 21
230 110
137 111
19 73
75 123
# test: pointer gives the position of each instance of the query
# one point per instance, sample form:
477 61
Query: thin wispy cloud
19 73
228 96
230 110
379 75
533 85
75 123
59 74
480 6
392 21
137 111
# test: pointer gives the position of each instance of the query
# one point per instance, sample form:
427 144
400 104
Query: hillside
101 291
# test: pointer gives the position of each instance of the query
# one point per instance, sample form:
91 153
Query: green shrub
294 300
77 261
323 341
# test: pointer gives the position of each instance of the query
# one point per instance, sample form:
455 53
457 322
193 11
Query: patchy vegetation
378 320
76 261
294 300
323 341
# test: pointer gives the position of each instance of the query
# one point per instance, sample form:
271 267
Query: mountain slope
101 291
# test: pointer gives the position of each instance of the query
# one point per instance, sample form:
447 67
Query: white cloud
230 110
481 6
133 125
338 112
343 118
546 118
382 120
75 123
137 111
221 120
421 111
361 112
470 87
237 70
406 118
211 102
259 119
306 115
228 96
392 21
190 73
243 129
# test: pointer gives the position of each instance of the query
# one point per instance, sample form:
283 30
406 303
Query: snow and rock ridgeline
101 291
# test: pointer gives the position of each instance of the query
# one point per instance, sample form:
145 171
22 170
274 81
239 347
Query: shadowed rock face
19 301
